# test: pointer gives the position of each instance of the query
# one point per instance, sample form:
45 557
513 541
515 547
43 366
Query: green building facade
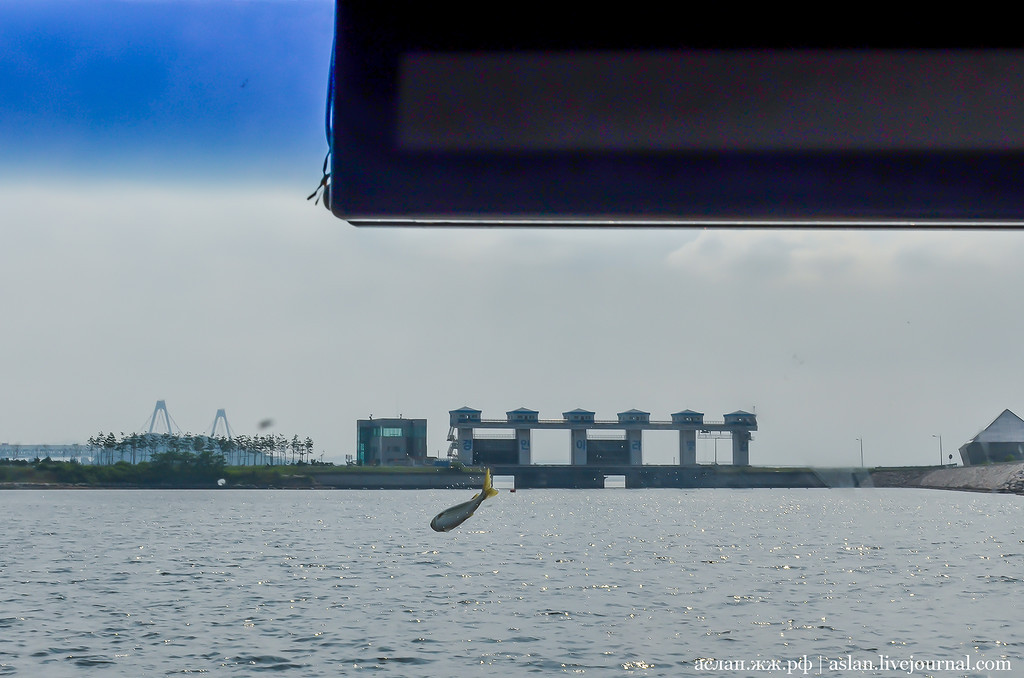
391 442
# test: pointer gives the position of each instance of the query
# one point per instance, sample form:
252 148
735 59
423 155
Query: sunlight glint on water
608 582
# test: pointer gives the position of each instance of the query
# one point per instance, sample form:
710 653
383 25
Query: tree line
242 450
165 469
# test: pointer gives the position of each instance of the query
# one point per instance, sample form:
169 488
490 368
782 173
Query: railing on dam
607 423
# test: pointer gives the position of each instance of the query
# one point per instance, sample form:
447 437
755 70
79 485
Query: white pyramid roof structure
1006 428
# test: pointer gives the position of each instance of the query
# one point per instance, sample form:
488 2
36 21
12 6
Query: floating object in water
456 515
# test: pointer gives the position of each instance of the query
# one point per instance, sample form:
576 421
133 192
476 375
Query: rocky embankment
1007 477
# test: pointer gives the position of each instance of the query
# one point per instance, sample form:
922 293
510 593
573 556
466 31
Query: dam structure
474 443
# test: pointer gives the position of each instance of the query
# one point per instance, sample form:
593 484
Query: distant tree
122 447
224 447
134 443
247 445
210 462
280 447
109 444
269 448
253 447
96 447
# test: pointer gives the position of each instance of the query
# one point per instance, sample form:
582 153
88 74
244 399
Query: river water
880 582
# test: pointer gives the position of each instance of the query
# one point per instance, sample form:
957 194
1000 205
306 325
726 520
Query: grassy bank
179 471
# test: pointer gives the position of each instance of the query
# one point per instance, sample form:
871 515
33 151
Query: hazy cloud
251 299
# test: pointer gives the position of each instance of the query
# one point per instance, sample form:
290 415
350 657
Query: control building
586 447
391 442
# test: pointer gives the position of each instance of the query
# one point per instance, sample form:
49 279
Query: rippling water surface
604 583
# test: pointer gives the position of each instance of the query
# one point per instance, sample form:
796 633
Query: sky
156 244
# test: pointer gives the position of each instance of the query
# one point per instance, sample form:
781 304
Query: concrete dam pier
474 441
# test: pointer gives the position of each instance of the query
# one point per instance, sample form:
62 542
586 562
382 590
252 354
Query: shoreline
1005 478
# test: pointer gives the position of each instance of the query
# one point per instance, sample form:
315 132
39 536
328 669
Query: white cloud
841 257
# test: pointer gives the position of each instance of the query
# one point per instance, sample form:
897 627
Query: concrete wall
368 480
1007 477
993 478
592 476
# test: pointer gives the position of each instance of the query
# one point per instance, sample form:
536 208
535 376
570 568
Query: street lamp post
861 441
940 447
